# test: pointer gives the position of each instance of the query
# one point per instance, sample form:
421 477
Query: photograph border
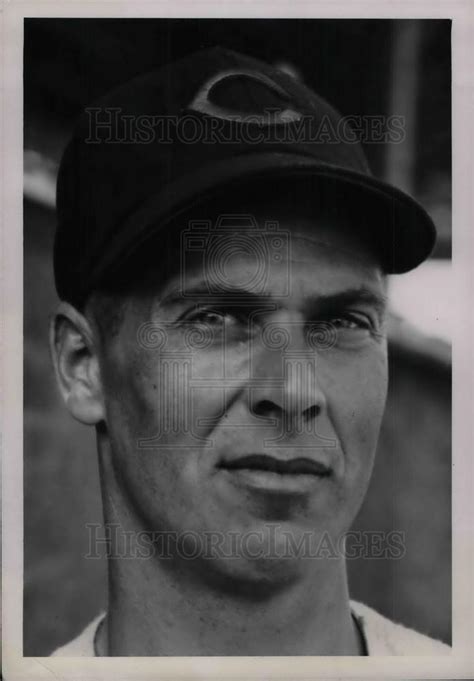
460 663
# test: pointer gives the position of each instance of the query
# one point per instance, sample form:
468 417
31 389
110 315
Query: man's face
244 395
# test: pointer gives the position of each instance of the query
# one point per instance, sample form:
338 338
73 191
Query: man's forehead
297 261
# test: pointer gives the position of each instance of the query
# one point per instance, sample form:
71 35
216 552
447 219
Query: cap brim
404 231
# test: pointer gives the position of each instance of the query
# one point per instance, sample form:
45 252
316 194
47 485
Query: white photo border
457 665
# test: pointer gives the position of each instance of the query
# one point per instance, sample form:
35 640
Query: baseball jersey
382 637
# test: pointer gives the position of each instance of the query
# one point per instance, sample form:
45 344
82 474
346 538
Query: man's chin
268 556
257 579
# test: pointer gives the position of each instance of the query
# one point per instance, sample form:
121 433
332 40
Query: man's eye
214 318
351 322
216 325
339 331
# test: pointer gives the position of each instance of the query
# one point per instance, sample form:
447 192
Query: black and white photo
238 313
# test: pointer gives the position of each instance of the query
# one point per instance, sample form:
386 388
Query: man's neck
151 614
160 607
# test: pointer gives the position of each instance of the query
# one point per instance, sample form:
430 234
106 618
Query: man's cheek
357 417
360 452
166 403
133 398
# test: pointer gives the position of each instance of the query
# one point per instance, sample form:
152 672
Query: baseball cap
176 137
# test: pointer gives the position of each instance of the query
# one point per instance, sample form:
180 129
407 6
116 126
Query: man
221 261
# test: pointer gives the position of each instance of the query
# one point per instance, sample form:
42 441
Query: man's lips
264 462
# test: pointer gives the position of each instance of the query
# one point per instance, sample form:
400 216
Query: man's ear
76 364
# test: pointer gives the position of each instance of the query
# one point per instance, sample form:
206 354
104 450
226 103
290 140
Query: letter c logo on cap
203 103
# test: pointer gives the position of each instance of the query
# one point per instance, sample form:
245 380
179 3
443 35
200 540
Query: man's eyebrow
202 291
352 296
317 304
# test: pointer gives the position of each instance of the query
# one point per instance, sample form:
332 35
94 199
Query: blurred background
363 67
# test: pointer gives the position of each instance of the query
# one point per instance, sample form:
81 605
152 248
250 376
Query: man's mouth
270 464
269 475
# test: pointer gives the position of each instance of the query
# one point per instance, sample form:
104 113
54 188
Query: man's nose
288 386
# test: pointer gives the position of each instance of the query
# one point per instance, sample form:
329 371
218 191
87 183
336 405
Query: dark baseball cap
175 138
